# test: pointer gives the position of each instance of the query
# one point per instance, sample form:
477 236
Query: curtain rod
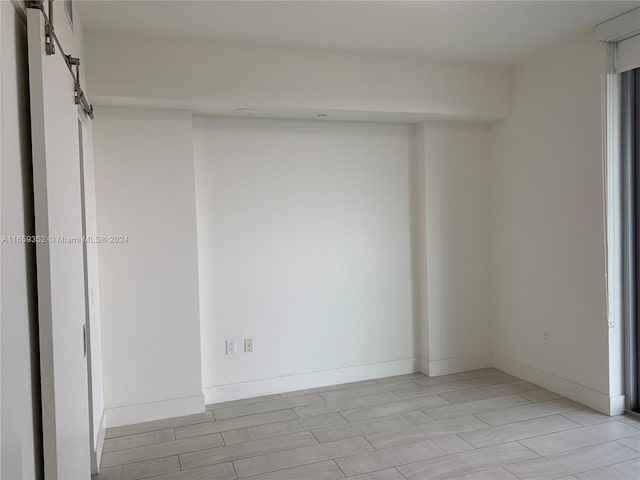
51 40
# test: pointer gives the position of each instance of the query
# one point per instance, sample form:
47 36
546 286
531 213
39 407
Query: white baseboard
567 388
102 430
147 412
289 383
617 404
455 364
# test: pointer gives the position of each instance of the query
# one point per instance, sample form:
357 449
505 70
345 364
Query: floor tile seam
282 451
169 441
310 430
387 415
270 453
157 429
145 445
139 461
250 414
620 443
570 451
526 438
213 448
581 446
266 411
449 383
236 429
520 406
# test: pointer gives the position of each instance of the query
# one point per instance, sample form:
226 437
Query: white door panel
61 302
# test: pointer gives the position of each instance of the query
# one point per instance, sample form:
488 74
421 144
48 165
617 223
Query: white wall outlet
547 337
248 345
231 347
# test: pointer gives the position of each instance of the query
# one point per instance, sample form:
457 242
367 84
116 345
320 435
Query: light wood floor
480 425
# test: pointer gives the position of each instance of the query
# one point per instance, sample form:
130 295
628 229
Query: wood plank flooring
479 425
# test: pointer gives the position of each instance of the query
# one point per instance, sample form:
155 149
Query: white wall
455 239
149 286
20 394
547 236
511 216
206 77
304 246
216 78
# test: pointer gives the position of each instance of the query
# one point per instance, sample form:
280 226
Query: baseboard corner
596 400
462 363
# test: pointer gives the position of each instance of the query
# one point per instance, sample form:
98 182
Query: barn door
59 257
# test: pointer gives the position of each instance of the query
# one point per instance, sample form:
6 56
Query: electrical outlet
248 345
547 337
231 347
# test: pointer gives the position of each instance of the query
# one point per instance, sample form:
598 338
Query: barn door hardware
73 63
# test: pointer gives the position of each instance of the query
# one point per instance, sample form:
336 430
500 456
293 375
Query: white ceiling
498 32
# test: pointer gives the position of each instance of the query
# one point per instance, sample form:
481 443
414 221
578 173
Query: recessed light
322 115
245 111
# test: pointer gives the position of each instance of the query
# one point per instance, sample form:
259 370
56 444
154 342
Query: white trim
624 32
147 412
618 28
102 431
594 399
289 383
628 54
612 176
462 363
617 405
